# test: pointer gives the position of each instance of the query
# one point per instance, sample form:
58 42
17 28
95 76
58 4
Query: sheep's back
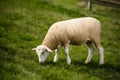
75 30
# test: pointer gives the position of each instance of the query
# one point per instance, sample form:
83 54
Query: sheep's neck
49 43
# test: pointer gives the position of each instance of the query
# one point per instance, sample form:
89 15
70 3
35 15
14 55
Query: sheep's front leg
67 53
56 56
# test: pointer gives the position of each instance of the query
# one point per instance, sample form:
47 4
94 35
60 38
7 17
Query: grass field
23 25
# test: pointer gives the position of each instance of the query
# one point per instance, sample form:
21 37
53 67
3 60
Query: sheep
75 32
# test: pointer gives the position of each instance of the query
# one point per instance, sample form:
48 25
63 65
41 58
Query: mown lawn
23 25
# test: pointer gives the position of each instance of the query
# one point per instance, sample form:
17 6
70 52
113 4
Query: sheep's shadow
106 71
89 65
94 65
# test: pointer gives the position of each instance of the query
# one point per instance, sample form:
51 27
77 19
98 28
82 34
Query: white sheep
74 31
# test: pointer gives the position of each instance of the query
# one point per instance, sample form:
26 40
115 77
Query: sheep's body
75 31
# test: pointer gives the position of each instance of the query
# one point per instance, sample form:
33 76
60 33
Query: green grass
23 25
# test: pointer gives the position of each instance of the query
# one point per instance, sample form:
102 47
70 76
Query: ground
23 25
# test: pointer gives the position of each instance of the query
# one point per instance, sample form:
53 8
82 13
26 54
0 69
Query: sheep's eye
45 50
42 53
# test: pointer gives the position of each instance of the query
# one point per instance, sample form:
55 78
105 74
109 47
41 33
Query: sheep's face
42 52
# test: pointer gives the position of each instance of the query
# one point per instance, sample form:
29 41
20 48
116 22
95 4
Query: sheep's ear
33 48
49 50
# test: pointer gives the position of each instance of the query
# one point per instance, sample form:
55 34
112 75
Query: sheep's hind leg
90 51
67 53
101 51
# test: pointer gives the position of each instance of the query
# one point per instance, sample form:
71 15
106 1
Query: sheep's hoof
54 61
101 63
86 62
68 62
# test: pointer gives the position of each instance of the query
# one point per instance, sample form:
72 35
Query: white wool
74 31
77 31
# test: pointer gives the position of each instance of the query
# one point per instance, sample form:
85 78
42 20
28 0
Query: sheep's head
42 52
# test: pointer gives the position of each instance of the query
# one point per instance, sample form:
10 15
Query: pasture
23 25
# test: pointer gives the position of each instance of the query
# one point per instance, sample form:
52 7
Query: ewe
74 31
